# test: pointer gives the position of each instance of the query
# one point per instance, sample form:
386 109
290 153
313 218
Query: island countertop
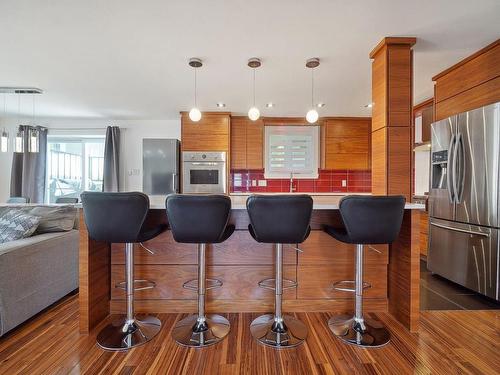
320 201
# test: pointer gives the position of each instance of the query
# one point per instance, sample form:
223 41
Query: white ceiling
127 59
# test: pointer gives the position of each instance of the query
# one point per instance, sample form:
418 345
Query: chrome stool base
189 332
121 335
373 335
290 333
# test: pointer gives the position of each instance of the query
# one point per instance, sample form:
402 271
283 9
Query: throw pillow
54 219
16 225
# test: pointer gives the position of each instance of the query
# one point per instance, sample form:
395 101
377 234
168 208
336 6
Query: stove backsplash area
329 181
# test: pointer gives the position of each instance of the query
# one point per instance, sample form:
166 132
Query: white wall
132 133
422 175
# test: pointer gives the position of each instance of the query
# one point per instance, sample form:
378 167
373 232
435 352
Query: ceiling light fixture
369 105
34 136
221 105
4 140
312 115
320 105
194 113
19 140
253 112
270 105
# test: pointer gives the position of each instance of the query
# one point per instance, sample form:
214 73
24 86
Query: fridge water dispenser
439 169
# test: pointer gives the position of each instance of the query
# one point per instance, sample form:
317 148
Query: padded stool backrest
280 218
372 219
198 218
114 217
67 200
18 200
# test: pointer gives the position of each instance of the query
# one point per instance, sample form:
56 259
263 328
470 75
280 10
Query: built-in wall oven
203 172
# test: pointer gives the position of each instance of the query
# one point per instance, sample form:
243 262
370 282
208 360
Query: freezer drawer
465 254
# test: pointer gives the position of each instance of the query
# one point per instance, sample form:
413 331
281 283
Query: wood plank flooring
449 342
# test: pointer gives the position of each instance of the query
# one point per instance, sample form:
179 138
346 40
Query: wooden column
392 84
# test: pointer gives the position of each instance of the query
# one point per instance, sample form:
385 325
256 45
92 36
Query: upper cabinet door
255 144
238 143
211 133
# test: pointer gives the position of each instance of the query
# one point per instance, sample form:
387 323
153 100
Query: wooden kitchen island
241 263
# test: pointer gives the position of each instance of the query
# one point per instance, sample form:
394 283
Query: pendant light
19 139
253 112
4 139
34 136
194 113
312 115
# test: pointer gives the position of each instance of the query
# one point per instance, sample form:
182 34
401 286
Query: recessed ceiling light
221 105
320 105
270 105
369 105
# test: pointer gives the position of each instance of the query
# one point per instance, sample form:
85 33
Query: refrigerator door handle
455 168
450 170
475 233
461 168
174 182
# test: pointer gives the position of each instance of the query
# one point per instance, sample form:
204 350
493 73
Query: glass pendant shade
4 142
19 142
195 114
253 113
33 142
312 116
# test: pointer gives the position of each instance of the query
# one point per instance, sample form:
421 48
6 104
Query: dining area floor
448 342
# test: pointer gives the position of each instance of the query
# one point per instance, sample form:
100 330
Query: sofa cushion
54 219
15 225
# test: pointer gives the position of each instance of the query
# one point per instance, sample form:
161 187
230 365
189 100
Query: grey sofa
35 272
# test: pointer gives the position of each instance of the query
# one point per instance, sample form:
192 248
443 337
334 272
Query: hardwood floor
449 342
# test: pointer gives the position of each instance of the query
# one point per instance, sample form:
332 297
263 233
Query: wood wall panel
247 143
240 282
321 249
404 272
379 161
399 162
392 140
316 281
471 83
94 279
239 249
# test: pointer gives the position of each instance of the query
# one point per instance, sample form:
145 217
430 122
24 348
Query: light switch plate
344 183
262 183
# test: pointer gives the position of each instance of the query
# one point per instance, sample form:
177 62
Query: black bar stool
119 218
367 220
200 219
279 219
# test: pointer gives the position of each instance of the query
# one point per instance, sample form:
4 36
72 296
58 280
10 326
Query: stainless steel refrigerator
463 200
160 164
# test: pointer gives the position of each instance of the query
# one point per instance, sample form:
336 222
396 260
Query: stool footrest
349 286
271 284
143 284
211 284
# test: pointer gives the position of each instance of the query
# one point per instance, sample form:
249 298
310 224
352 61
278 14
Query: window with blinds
291 150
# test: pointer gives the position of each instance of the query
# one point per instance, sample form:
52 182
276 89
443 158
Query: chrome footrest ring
211 284
143 284
349 286
271 284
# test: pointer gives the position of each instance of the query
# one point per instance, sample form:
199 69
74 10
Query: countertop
320 201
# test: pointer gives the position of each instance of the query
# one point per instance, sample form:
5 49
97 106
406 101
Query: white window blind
291 149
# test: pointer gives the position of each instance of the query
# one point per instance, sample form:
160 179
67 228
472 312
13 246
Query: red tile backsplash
328 181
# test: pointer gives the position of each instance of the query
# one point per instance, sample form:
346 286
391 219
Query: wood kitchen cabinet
247 143
425 111
211 133
347 143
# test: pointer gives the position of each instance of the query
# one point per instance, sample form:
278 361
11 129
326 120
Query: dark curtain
28 168
111 181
